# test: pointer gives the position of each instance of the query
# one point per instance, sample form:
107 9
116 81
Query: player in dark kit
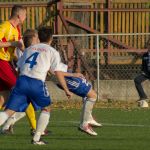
145 75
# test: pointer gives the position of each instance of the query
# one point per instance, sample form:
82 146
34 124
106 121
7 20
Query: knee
2 99
92 94
46 109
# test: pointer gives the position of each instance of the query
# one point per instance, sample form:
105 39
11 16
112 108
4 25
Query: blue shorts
78 86
28 90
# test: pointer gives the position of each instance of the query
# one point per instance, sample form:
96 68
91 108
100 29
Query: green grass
119 132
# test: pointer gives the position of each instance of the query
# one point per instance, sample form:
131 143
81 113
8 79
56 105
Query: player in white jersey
82 88
8 126
36 61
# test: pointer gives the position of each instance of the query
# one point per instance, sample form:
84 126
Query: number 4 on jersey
32 59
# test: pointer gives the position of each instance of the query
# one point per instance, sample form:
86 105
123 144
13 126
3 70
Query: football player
10 39
81 87
36 61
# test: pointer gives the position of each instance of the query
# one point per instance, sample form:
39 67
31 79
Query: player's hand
68 94
78 75
18 44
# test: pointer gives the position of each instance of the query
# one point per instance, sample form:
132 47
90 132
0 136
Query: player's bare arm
67 74
17 44
77 75
60 75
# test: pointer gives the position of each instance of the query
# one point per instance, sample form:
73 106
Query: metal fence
106 65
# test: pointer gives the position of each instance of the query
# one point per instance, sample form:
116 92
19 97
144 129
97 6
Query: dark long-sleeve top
146 63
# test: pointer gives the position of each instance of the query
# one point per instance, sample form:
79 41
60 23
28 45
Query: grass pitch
122 129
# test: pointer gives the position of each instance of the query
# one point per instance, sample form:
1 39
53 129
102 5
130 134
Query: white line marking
107 124
125 125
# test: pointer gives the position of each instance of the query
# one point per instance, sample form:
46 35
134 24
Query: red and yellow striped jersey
8 33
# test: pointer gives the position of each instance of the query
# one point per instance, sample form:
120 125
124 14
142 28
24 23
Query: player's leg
41 99
142 102
13 105
5 115
17 101
82 88
88 108
86 115
41 126
32 118
1 101
9 78
30 112
7 81
8 126
3 97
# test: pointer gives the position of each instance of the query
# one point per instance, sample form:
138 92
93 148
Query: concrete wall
109 89
58 94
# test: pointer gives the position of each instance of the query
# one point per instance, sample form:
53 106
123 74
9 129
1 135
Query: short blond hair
28 37
16 10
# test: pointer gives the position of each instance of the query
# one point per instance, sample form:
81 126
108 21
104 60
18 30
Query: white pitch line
108 124
125 125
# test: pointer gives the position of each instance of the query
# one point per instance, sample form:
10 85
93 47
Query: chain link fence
109 61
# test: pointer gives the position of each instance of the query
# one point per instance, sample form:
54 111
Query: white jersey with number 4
37 60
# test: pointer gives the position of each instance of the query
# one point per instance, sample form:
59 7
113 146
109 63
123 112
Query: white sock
14 118
41 124
87 111
91 117
19 115
3 117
